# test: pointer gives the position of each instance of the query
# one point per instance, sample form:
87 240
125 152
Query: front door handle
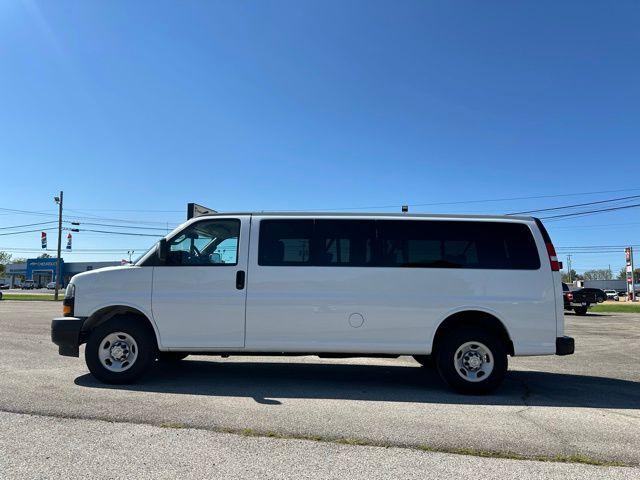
240 275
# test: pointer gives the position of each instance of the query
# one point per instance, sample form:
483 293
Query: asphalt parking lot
586 405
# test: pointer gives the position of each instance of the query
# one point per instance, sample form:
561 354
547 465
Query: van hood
93 274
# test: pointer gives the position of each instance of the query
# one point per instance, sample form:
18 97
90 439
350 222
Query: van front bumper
65 332
565 345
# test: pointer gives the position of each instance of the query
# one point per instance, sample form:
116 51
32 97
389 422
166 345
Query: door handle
240 275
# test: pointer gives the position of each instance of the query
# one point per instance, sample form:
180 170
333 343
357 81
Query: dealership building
43 270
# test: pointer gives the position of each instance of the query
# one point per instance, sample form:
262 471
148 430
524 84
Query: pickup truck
579 300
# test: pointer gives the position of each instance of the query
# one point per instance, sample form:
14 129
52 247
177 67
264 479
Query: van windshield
140 257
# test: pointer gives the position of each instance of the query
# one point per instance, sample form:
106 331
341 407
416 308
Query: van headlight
69 300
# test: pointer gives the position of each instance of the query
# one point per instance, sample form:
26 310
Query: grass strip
616 308
36 297
573 458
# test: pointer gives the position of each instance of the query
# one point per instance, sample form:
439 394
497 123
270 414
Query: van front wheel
472 360
120 350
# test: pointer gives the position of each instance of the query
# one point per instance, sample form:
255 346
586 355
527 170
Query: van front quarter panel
113 286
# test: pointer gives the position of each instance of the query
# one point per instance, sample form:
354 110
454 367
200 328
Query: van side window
397 243
208 242
450 244
285 242
344 242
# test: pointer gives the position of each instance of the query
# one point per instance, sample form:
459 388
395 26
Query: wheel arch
106 313
473 317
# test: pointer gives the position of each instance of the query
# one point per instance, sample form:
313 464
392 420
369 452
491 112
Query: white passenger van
459 292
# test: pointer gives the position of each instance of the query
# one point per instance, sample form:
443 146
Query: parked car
51 286
463 291
4 286
612 295
28 285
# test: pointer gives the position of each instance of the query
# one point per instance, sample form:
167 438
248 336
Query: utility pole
569 268
59 202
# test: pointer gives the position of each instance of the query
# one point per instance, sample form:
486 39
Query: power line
81 250
123 233
589 212
458 202
123 226
127 210
599 225
95 217
27 225
575 205
27 231
26 212
602 246
75 217
462 202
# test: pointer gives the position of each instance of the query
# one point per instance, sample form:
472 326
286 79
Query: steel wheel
118 352
473 361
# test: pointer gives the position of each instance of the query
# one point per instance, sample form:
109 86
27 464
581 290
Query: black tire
424 360
171 357
144 338
580 310
445 360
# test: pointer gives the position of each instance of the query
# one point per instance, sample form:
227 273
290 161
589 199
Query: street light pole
59 201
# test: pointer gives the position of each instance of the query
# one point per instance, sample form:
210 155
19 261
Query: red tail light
553 258
556 266
570 296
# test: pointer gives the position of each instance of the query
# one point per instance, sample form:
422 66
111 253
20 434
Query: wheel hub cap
473 361
119 351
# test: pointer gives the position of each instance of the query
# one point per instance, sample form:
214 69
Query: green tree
45 255
568 277
4 259
622 275
598 274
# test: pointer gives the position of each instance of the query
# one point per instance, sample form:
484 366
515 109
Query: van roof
370 214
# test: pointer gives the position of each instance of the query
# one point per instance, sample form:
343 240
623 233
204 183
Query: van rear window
398 243
453 244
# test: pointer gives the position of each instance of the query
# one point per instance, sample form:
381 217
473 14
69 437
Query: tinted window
397 243
344 242
209 242
285 242
448 244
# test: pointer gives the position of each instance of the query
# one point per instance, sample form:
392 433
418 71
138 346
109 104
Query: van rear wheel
120 350
472 360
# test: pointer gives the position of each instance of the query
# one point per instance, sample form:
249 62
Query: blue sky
136 108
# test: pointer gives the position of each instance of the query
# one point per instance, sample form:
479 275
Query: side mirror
163 248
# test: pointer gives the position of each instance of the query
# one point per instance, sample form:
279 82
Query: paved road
587 404
45 447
